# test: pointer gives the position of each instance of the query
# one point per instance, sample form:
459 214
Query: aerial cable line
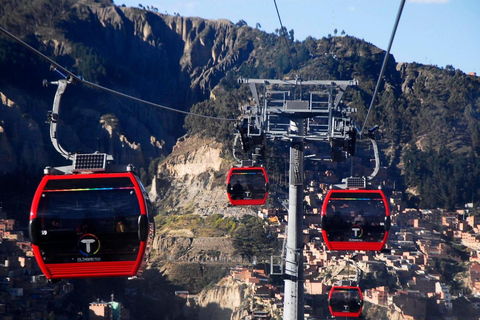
284 31
75 78
384 65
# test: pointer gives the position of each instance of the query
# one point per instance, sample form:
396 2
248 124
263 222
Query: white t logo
356 231
87 242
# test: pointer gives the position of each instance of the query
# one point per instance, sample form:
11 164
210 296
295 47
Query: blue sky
437 32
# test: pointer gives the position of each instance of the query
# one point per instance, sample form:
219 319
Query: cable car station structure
297 112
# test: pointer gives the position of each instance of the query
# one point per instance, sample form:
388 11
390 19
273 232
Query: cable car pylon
298 112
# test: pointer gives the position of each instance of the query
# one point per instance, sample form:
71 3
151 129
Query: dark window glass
247 184
86 223
345 300
355 217
85 183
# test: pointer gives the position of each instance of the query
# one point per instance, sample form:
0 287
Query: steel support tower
286 112
294 282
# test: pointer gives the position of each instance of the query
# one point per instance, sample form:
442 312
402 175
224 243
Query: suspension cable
382 71
75 78
284 31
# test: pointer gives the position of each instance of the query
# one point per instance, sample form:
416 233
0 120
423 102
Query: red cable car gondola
90 225
355 219
345 301
247 186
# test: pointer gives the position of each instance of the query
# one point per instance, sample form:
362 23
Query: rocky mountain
226 300
192 64
171 60
105 43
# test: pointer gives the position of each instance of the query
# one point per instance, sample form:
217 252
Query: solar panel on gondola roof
91 162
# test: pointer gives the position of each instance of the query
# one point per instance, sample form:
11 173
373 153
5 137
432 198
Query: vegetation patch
196 276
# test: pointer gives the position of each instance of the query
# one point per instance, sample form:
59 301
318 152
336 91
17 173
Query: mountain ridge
192 64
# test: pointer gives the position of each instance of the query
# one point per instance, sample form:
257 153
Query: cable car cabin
345 301
90 225
247 186
355 220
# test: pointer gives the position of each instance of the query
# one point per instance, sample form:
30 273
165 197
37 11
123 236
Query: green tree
252 239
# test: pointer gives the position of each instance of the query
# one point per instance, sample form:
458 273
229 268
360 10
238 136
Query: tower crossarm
278 102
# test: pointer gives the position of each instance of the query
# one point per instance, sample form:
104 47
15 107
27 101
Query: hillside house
378 296
475 279
444 297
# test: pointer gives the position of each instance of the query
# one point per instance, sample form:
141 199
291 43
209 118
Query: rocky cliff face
371 311
192 180
170 60
224 301
21 142
196 250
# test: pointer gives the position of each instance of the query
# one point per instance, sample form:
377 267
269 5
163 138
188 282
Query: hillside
192 64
